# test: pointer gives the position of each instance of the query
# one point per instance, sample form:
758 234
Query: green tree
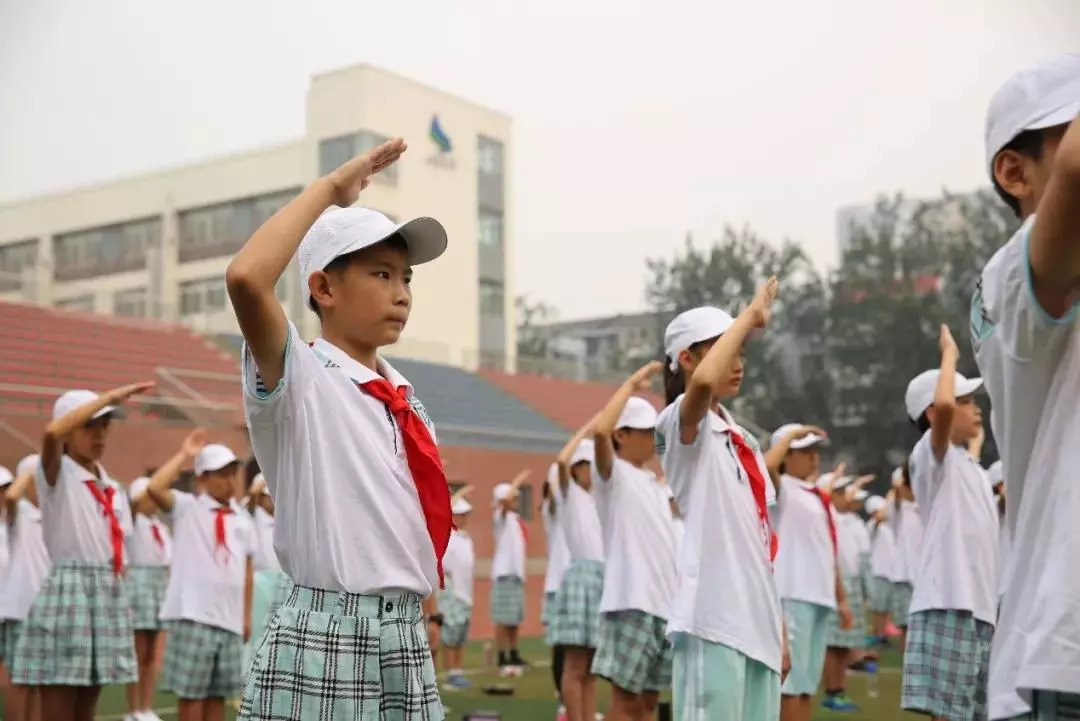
532 342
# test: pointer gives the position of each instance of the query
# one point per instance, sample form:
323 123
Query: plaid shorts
856 637
1052 706
330 655
10 630
901 603
202 661
147 584
881 592
456 618
78 632
507 601
633 651
947 664
575 620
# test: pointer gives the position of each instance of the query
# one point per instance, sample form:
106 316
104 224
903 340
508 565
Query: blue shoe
459 682
839 703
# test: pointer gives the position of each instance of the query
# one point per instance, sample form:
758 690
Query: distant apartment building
595 348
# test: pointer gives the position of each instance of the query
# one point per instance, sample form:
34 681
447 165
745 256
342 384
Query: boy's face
803 462
967 421
636 445
368 301
88 441
220 485
1025 177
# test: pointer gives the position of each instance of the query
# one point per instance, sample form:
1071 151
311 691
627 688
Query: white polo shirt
580 521
805 563
29 563
143 547
265 557
347 516
558 553
639 536
882 551
908 530
459 564
206 584
726 593
76 529
1030 364
854 542
509 558
958 570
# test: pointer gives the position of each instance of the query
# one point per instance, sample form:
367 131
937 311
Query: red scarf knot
104 496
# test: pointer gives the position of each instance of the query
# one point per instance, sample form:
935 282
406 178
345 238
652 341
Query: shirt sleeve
267 406
926 471
182 504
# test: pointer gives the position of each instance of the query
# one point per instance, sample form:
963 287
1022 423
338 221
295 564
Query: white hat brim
425 238
1060 116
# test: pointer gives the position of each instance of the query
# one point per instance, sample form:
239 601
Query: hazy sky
634 121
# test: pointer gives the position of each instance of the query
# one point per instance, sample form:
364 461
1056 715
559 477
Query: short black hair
923 422
340 263
251 470
1029 143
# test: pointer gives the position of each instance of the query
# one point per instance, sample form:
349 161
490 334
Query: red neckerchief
221 539
155 532
104 496
823 496
748 460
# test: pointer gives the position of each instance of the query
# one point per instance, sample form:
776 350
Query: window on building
14 257
206 295
491 298
334 152
130 302
222 229
489 156
102 251
490 229
79 302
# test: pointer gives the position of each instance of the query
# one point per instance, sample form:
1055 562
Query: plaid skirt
947 665
508 601
147 584
78 632
202 661
575 620
343 656
10 630
546 608
633 651
856 636
881 592
901 603
1052 706
457 616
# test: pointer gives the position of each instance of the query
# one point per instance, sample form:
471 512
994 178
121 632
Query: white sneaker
149 715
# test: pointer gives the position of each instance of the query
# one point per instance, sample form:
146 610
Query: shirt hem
735 644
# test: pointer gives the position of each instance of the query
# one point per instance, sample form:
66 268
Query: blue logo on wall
443 157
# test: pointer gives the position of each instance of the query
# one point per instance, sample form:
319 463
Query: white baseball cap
1041 96
5 477
213 457
860 495
461 507
638 414
71 400
920 391
258 484
138 487
810 439
693 326
501 492
342 231
996 473
874 504
27 465
584 453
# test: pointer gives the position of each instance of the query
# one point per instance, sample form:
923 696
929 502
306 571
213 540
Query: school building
156 245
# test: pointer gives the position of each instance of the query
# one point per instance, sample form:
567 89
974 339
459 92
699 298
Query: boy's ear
1012 171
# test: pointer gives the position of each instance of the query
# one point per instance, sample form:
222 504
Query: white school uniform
726 592
1030 363
509 559
265 557
459 565
853 542
558 553
206 584
639 540
908 530
580 521
348 515
76 529
806 561
959 570
143 547
882 551
29 564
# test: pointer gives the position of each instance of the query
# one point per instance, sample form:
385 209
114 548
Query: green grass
534 700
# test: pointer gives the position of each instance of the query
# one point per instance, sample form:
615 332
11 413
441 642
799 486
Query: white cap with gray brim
693 326
638 414
72 400
810 439
461 507
213 457
920 391
874 504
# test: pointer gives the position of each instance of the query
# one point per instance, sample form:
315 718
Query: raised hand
121 394
761 305
946 341
862 481
643 377
194 442
355 175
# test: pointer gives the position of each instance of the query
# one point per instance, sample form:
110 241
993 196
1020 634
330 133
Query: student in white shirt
633 652
78 636
954 606
844 647
807 571
725 623
907 527
508 575
456 600
882 563
27 569
576 617
272 586
349 453
557 561
207 605
150 550
1026 342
